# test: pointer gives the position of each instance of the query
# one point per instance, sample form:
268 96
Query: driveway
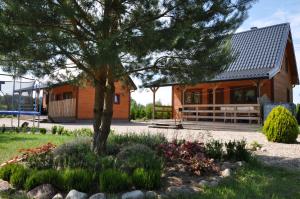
283 155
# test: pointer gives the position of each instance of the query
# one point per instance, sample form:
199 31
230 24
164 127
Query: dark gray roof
258 53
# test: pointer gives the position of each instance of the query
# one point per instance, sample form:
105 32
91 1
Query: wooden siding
85 100
283 82
62 109
177 95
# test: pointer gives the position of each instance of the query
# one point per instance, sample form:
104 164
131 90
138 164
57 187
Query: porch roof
258 54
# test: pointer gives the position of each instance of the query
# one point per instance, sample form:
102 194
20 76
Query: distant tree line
139 111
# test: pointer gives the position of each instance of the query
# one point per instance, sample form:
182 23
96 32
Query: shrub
43 131
83 132
75 154
255 145
60 130
281 126
54 130
33 130
137 156
79 179
8 170
18 178
40 161
146 179
49 176
3 128
151 141
236 150
107 162
298 113
214 149
113 180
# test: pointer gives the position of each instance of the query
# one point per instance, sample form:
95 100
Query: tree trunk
103 112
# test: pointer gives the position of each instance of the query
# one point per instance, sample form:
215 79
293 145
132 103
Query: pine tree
108 40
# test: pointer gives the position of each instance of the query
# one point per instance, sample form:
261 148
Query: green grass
10 143
259 182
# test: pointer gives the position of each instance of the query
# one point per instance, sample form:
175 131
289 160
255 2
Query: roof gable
258 53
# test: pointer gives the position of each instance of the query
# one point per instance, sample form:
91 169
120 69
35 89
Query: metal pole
19 104
12 98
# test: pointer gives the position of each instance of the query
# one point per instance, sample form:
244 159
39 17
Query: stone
137 194
5 186
73 194
263 149
214 183
44 191
240 163
203 183
58 196
151 195
98 196
227 165
226 173
174 191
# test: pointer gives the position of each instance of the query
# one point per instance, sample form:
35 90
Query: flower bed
132 162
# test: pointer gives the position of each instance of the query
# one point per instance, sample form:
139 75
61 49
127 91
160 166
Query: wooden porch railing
222 112
62 108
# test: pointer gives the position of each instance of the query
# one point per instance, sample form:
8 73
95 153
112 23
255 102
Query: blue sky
263 13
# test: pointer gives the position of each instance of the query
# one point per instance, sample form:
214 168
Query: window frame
244 90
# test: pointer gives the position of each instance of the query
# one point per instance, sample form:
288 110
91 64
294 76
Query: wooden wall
177 91
85 100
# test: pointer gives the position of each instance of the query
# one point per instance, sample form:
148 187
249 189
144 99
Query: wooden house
264 70
67 102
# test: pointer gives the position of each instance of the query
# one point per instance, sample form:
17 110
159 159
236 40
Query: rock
44 191
98 196
134 195
227 165
263 149
151 195
174 191
240 163
213 183
5 186
73 194
162 196
226 173
58 196
203 183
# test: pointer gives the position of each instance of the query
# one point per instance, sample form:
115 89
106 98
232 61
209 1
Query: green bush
151 141
54 130
8 170
3 128
281 126
49 176
18 178
79 179
214 149
236 150
75 154
83 132
60 130
40 161
113 180
137 156
146 179
43 131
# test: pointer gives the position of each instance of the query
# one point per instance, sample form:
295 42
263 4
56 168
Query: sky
263 13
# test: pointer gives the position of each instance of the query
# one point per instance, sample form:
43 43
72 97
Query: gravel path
277 154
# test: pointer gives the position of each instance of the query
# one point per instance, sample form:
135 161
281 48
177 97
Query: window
67 95
117 99
58 97
243 95
193 97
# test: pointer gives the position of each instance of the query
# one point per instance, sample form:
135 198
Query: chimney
253 28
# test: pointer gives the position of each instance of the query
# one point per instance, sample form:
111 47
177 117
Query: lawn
10 143
257 181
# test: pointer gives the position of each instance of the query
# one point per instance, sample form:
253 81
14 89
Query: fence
62 109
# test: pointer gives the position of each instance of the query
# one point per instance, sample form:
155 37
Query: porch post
153 89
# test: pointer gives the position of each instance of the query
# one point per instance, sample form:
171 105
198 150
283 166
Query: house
69 102
264 70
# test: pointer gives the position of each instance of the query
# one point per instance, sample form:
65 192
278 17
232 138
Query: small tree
108 40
